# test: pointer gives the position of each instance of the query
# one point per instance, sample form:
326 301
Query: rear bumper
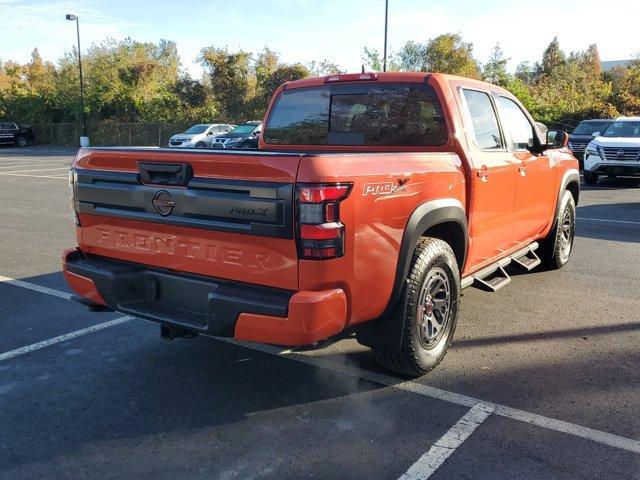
207 305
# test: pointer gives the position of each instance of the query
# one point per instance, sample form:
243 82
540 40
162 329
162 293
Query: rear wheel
590 178
21 141
428 308
557 247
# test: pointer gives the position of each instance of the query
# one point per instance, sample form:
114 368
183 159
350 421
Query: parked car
583 134
372 201
614 152
199 136
244 135
19 134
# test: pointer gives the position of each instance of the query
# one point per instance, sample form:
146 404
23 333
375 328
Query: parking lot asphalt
552 362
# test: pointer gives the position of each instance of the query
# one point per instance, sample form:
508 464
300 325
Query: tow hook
168 332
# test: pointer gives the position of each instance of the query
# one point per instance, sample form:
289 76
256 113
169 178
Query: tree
411 57
625 93
266 63
591 59
552 58
229 75
323 68
449 54
371 59
495 70
525 72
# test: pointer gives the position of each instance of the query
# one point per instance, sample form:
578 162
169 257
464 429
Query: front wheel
428 308
21 141
201 145
557 247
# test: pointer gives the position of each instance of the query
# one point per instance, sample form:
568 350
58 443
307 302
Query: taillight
72 195
319 230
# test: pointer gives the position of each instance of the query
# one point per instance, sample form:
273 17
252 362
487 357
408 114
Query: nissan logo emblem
620 153
163 203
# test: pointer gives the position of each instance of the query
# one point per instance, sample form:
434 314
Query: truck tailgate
222 214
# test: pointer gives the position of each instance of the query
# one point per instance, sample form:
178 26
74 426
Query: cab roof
389 77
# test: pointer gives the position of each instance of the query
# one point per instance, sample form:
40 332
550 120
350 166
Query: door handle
523 171
483 173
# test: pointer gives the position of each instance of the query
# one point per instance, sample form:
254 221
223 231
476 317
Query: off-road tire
557 247
432 257
590 178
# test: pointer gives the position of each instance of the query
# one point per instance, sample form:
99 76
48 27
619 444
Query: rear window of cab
357 114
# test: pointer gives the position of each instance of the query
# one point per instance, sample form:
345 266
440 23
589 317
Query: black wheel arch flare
386 332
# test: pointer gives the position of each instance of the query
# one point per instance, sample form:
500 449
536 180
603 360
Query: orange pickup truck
372 201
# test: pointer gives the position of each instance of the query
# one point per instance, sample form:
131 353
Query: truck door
535 191
493 180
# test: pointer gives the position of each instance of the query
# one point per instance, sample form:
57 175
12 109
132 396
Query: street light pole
72 17
386 23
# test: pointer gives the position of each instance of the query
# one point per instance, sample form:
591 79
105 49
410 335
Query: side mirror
256 133
595 134
557 139
209 134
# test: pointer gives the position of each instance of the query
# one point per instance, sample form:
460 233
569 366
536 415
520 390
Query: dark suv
245 135
583 134
15 134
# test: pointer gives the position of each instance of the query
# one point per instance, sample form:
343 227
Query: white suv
614 152
199 136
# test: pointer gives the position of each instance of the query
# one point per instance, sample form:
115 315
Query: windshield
196 129
244 128
623 129
357 114
587 128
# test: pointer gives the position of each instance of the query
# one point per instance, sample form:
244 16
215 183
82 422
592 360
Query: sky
305 30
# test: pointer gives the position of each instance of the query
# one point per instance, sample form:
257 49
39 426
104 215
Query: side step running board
528 261
494 277
494 281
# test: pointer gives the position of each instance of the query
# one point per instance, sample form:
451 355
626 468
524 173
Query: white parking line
587 433
598 436
627 222
6 168
36 170
443 448
32 176
62 338
34 287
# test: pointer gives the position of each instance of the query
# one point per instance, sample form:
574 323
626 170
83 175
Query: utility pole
72 17
386 23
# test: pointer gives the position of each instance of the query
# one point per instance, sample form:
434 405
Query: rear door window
355 114
483 119
516 125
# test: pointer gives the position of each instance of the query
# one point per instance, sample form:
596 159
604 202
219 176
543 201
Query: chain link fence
107 134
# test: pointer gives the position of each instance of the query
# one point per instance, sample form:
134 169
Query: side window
516 124
483 119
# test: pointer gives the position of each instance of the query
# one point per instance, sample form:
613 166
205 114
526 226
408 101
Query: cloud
41 24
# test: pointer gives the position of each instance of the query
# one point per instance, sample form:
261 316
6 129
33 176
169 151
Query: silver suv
199 136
